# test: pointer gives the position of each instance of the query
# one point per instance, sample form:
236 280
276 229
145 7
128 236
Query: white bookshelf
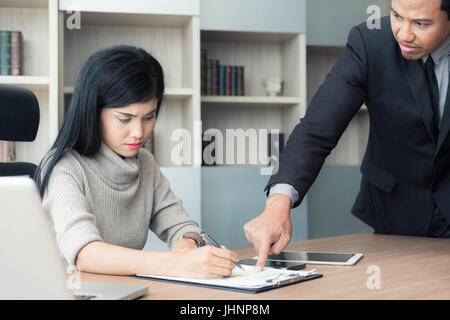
172 39
54 56
263 55
37 20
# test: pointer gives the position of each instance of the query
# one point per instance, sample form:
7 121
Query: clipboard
246 282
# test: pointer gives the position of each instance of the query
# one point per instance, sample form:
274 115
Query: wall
330 200
233 196
329 21
186 185
253 15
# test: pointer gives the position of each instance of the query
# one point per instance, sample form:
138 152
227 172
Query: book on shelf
11 51
16 53
220 80
228 79
5 53
241 81
7 151
234 81
216 80
208 77
204 55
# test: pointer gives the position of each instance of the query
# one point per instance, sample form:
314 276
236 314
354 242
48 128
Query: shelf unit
54 56
327 37
352 145
263 55
173 40
38 22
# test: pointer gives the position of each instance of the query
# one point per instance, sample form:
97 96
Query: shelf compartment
169 39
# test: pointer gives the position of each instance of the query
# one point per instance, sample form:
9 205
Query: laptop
31 267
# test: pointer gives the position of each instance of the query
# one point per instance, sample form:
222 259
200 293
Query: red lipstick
134 145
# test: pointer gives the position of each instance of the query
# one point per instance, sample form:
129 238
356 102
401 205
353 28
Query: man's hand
271 230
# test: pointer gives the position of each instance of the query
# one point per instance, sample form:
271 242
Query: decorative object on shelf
273 86
10 53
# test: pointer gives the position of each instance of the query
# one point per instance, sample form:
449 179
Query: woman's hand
183 245
205 262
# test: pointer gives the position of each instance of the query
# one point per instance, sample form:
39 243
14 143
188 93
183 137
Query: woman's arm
204 262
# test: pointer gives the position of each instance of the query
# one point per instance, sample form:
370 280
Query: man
401 72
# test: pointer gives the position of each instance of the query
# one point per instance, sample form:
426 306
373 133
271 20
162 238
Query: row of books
7 151
220 80
10 53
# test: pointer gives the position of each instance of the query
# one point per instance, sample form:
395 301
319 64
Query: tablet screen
312 256
275 264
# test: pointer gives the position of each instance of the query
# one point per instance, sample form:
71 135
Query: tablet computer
334 258
275 264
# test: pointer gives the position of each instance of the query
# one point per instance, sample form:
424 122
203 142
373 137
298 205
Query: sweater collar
113 167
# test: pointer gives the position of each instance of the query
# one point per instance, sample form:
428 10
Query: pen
209 239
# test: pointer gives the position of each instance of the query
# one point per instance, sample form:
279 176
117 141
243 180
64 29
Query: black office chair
19 121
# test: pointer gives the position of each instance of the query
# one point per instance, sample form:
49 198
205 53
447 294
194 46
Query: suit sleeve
329 113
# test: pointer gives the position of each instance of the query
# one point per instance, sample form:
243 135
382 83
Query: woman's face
125 129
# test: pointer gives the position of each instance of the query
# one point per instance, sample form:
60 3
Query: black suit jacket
405 168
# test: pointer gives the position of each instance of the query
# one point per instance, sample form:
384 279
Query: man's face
419 26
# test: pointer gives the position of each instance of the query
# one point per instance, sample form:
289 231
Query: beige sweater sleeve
73 223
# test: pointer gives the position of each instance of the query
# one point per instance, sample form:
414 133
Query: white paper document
247 278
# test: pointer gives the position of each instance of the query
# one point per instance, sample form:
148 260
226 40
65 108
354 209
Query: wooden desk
410 268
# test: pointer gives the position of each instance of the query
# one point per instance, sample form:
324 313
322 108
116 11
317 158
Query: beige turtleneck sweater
111 199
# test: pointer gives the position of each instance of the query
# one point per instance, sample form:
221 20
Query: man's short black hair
446 7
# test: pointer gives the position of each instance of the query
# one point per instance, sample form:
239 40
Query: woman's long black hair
110 78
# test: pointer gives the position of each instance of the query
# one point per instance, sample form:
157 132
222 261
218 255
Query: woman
102 191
